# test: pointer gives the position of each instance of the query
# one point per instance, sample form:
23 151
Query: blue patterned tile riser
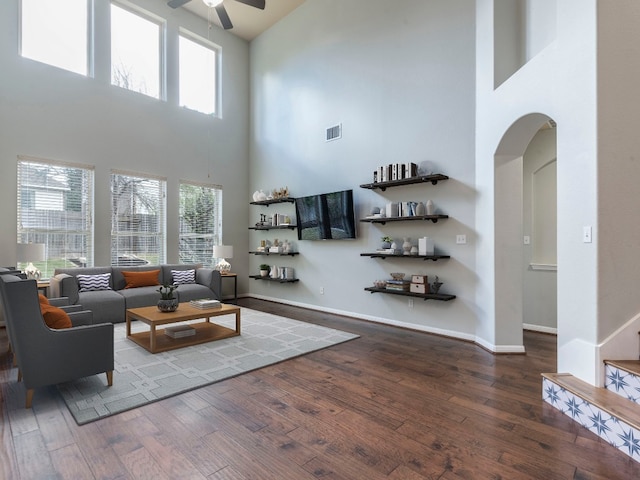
623 383
617 433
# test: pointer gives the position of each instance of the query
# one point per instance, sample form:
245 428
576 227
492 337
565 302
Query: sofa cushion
194 291
91 283
140 296
106 305
181 277
141 279
54 317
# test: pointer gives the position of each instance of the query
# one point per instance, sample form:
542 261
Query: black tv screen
328 216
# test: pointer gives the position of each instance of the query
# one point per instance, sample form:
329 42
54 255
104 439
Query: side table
235 284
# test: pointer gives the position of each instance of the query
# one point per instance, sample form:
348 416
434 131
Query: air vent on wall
334 132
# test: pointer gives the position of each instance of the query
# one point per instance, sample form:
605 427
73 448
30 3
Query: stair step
603 399
631 366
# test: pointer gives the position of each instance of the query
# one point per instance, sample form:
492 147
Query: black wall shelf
266 203
433 179
291 254
384 220
395 255
443 297
277 280
277 227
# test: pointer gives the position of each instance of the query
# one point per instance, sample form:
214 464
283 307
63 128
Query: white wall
51 113
399 76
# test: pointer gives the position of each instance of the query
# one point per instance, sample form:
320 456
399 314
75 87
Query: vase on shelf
430 208
394 246
420 209
406 246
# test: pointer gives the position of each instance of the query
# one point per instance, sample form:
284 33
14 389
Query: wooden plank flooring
393 404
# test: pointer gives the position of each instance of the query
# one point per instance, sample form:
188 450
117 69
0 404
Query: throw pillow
141 279
89 283
42 299
181 277
55 317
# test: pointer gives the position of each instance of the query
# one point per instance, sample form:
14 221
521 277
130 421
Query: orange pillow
55 317
43 299
141 279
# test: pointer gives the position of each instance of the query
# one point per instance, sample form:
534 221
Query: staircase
612 412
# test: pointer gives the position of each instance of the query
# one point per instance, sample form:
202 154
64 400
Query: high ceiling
248 22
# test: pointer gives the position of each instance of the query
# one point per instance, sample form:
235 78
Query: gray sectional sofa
110 304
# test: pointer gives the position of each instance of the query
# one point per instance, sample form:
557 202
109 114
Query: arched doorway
509 224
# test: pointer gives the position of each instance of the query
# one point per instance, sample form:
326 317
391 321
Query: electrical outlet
461 239
411 303
527 240
321 290
586 234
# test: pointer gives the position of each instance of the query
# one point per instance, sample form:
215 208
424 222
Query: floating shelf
278 280
266 203
291 254
425 296
433 179
394 255
277 227
383 220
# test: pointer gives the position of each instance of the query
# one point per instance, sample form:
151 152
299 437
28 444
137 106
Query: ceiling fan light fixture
212 3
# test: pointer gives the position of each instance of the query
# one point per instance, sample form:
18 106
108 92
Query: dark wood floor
393 404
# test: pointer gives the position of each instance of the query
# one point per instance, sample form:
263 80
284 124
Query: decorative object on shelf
31 252
394 247
264 270
379 283
425 246
223 252
406 246
167 302
259 196
397 276
275 272
414 250
430 208
420 209
386 242
392 209
282 192
435 286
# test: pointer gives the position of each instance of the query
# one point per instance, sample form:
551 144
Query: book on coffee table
179 331
205 303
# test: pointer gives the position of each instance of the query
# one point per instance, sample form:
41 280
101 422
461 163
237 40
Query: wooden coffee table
156 341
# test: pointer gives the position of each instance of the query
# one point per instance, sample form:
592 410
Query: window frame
160 235
217 49
87 215
162 46
90 41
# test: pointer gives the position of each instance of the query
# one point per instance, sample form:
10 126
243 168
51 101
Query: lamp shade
30 252
223 251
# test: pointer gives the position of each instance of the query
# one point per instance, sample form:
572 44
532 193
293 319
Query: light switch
461 239
586 234
527 239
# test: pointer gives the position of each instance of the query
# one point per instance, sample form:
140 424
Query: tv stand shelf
443 297
383 220
395 255
433 179
278 280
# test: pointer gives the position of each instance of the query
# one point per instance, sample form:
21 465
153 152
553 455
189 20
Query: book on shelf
180 331
398 288
205 303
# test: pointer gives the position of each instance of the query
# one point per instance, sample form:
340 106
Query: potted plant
264 270
167 302
386 242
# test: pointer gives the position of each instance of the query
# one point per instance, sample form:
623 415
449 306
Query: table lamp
223 252
31 252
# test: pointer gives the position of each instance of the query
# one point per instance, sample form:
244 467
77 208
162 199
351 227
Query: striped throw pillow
181 277
90 283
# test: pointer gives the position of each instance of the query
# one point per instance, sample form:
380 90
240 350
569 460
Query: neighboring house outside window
200 222
55 207
138 219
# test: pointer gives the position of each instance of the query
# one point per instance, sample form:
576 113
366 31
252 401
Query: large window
55 207
56 33
136 51
200 222
198 74
138 220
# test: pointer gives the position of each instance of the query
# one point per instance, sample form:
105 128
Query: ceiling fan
220 10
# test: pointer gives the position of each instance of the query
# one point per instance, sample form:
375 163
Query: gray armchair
46 356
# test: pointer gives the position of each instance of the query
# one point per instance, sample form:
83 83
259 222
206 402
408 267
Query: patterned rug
141 377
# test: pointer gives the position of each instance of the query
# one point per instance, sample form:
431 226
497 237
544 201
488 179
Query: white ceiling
248 22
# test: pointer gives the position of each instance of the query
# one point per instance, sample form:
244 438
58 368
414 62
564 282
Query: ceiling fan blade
224 17
253 3
177 3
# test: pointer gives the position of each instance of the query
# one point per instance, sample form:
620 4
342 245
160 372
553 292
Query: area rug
141 377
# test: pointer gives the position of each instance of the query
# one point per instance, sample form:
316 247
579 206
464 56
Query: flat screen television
328 216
